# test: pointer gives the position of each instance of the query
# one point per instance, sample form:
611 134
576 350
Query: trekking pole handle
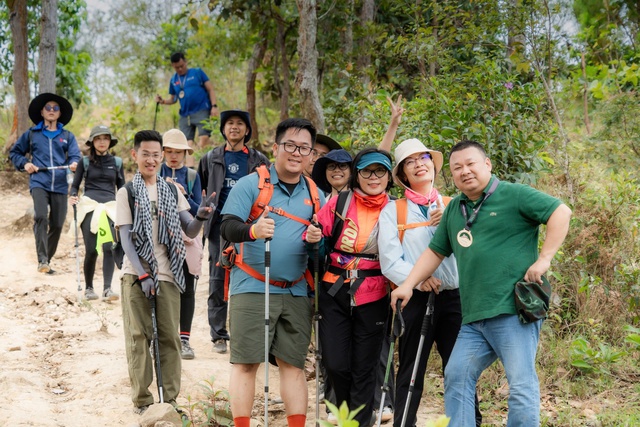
428 317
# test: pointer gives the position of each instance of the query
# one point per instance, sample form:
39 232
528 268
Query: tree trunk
18 26
259 50
364 58
585 96
48 46
348 33
307 77
285 88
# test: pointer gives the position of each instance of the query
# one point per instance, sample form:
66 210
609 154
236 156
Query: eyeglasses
154 156
412 163
334 166
290 147
366 173
52 107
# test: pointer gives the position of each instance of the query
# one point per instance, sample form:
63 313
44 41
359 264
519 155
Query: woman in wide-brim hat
103 175
332 172
47 152
415 170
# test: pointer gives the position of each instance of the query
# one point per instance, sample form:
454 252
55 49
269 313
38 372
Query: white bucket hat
174 138
409 147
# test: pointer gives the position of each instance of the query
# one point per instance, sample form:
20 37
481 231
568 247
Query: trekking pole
75 222
316 318
155 117
156 347
267 266
393 335
51 168
428 319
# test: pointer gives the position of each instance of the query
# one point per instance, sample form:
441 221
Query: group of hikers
315 222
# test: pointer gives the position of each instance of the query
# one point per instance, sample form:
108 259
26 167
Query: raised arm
396 118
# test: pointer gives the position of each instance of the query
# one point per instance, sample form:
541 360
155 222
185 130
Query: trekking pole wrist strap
144 276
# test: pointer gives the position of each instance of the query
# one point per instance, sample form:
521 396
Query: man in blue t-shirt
193 89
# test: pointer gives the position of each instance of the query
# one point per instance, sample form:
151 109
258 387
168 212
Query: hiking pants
50 211
216 305
138 335
351 339
447 318
91 254
187 302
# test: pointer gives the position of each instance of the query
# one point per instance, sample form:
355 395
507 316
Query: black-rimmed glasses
334 166
290 147
378 172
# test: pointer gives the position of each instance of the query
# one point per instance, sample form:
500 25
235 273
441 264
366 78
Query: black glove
206 208
147 286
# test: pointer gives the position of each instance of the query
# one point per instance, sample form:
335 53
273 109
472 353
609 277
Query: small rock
160 412
55 335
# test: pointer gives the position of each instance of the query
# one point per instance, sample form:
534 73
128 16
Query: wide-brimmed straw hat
319 173
38 103
413 146
174 138
100 130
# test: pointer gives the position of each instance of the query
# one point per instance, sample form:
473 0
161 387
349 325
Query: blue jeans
478 345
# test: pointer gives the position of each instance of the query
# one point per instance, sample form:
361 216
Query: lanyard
463 206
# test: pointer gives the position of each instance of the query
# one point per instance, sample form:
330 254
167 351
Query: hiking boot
43 267
220 346
109 295
187 352
90 294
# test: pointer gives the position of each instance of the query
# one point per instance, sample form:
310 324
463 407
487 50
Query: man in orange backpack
293 203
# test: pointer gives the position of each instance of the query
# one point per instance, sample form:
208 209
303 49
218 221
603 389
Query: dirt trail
62 363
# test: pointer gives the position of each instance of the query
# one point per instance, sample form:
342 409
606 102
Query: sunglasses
52 107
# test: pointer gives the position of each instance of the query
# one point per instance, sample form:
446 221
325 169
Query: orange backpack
401 209
230 257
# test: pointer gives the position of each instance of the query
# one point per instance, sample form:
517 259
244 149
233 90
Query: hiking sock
242 421
297 420
184 336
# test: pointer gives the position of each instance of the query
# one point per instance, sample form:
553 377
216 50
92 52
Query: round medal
465 239
181 94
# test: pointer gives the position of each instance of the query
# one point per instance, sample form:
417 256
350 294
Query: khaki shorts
289 328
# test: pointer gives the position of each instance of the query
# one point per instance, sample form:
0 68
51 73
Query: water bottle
69 177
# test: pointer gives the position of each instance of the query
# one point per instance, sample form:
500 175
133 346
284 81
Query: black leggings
91 254
187 302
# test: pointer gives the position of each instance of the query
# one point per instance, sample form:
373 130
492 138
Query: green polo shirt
505 245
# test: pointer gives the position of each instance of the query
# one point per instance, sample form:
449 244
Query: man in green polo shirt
492 228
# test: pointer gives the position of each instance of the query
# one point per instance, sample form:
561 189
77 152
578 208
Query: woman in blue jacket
53 152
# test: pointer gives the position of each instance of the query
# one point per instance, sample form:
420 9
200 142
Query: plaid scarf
169 229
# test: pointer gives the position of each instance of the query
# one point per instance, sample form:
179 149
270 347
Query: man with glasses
290 311
53 153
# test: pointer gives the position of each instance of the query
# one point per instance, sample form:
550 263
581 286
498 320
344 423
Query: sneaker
387 414
187 352
331 418
220 346
109 295
43 267
90 294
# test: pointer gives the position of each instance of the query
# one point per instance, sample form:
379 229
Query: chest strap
356 276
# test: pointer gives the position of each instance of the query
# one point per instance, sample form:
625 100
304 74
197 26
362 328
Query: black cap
244 115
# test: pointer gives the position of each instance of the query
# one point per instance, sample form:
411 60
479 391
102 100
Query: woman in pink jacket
353 299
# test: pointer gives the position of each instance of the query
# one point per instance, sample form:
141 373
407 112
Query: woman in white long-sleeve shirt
415 171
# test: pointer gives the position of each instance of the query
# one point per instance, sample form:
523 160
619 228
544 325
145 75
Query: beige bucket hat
409 147
174 138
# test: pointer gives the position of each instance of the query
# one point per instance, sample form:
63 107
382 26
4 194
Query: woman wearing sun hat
353 292
415 171
175 148
53 152
103 175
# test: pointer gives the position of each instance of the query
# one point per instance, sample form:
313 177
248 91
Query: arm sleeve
195 198
392 259
77 179
233 229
